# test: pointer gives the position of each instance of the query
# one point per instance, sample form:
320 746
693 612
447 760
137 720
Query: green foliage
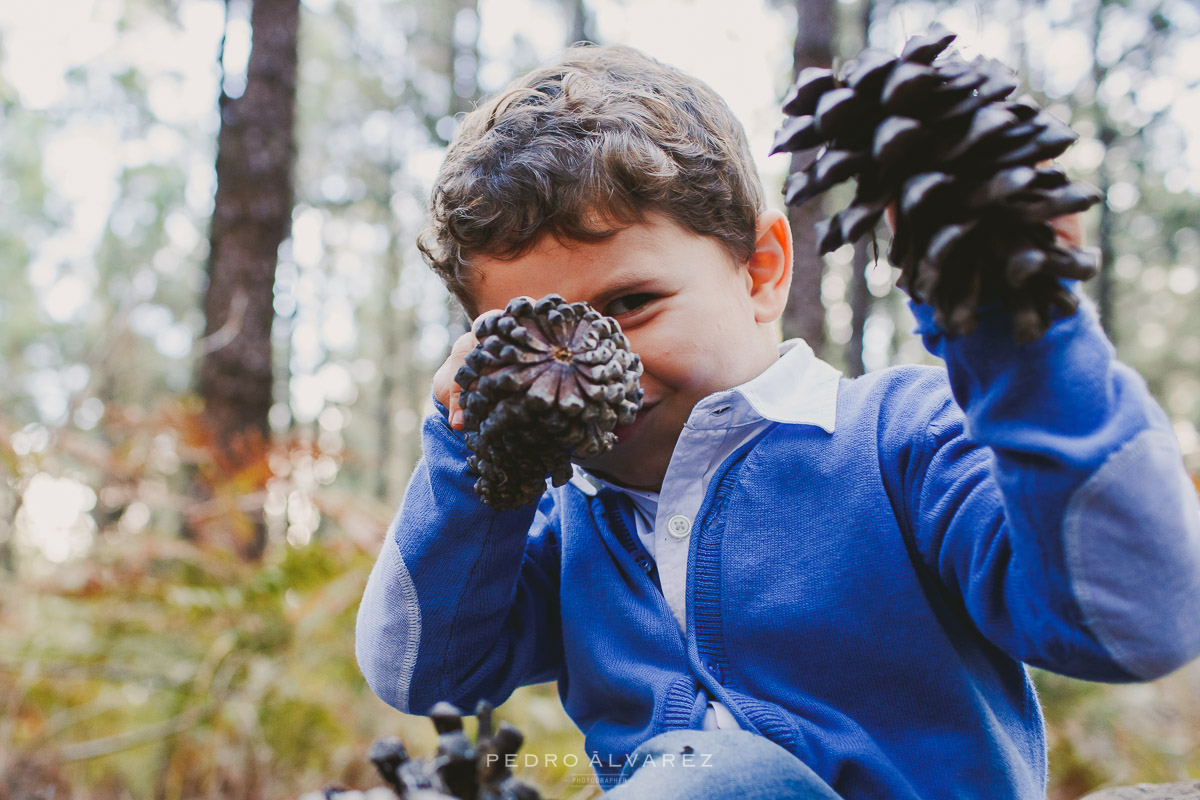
1100 735
157 667
161 667
299 732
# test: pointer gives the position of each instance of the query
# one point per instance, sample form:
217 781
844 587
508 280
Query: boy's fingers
462 345
1069 229
443 379
452 403
456 413
446 388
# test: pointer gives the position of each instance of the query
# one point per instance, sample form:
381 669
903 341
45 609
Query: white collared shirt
798 388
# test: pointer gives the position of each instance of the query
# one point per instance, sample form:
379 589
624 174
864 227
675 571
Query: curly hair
581 147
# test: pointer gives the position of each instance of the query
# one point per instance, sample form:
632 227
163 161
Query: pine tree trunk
1106 135
579 22
251 217
860 295
805 314
860 307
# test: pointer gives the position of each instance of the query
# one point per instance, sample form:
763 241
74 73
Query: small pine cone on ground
548 380
934 136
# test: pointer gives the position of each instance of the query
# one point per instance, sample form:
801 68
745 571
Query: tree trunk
251 217
1106 135
579 22
860 307
860 295
805 314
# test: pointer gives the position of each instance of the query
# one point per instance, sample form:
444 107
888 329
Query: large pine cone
933 134
462 770
547 381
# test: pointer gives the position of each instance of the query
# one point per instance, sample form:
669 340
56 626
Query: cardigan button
679 526
713 668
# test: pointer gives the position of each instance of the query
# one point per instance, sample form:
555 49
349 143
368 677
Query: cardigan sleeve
1049 496
463 602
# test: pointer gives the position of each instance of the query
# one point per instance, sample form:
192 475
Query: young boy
821 584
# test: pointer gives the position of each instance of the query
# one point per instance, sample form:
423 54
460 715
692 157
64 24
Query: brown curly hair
581 147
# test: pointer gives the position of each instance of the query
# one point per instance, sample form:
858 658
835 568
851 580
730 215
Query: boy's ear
769 270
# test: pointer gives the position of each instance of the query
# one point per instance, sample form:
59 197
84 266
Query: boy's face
691 314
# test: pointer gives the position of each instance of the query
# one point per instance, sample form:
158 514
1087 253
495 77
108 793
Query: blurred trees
1104 135
134 664
252 215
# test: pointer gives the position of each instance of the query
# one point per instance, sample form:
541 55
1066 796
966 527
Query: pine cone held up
548 380
933 135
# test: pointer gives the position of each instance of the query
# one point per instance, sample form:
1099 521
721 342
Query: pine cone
462 769
547 381
934 135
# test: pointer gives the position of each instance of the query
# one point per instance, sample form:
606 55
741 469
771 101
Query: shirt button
679 526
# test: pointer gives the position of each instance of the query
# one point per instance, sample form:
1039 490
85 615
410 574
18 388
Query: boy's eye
627 303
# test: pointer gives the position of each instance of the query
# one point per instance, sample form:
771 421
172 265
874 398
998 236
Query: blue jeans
712 765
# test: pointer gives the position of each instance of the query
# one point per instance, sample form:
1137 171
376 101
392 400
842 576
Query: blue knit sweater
864 598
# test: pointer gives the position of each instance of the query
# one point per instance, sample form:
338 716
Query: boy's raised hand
1069 229
445 388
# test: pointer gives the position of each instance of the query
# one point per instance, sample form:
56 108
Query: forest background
211 386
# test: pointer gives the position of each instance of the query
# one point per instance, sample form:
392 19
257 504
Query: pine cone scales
933 135
548 380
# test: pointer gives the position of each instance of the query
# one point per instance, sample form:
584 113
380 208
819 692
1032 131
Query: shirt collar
799 389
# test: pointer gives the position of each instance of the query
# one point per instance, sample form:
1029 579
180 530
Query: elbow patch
1132 545
388 628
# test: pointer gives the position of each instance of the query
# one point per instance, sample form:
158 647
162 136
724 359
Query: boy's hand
445 388
1069 229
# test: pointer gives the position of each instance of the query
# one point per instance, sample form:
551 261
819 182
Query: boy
825 585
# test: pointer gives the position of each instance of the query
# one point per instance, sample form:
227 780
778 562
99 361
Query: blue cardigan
864 598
